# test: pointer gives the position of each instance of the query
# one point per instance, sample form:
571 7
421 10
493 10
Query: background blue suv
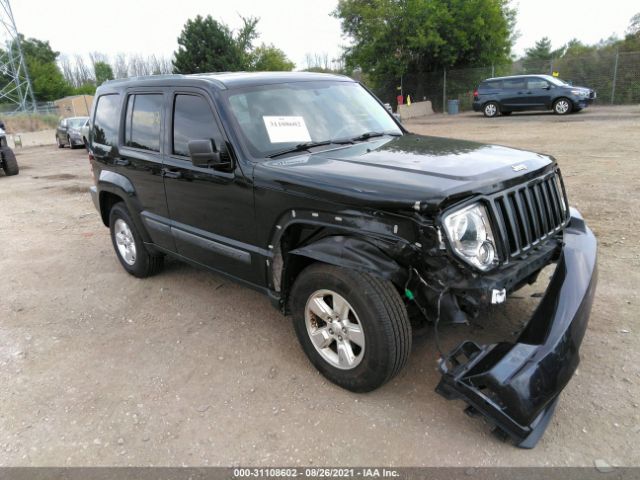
504 95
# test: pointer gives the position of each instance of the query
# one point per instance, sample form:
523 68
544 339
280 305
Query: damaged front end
515 386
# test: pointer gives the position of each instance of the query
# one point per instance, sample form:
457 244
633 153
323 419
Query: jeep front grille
529 214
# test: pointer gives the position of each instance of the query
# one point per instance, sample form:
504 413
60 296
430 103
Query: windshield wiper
301 147
366 136
304 147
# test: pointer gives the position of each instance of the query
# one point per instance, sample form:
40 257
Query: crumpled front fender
356 254
515 386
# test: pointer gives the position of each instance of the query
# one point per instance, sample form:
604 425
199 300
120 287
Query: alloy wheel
562 107
334 329
125 242
490 110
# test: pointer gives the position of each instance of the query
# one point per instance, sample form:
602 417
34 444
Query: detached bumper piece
515 386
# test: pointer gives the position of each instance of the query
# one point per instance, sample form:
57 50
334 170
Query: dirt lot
99 368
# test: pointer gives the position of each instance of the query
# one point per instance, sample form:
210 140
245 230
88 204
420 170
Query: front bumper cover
515 386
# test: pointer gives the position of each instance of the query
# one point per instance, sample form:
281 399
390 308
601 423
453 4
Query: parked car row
73 132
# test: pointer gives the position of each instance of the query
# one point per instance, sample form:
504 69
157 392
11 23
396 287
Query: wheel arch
301 244
114 188
562 97
497 103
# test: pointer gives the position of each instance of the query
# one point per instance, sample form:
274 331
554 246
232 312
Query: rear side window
144 117
493 85
106 119
192 120
514 83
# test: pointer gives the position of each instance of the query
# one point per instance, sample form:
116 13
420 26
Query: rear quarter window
493 85
106 120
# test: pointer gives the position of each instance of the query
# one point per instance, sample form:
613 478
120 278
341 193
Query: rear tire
491 109
375 330
129 246
10 164
60 144
562 106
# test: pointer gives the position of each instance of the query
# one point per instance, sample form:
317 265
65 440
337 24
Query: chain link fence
42 108
614 75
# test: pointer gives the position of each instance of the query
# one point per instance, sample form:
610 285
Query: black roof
226 80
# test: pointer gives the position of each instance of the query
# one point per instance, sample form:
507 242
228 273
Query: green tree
46 78
537 58
394 37
38 50
634 25
206 45
269 58
85 89
244 41
103 72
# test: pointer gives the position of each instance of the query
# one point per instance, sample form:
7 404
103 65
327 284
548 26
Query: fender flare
121 186
355 254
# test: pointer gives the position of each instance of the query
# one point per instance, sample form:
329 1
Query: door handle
171 173
122 162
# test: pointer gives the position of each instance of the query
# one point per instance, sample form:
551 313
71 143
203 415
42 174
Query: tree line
388 39
204 45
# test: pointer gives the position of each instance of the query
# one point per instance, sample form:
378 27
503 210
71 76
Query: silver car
69 132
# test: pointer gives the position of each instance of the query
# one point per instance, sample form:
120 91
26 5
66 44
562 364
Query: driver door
211 210
539 92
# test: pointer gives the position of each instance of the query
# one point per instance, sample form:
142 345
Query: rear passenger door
211 210
140 156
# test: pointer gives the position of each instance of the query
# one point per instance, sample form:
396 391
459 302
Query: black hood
397 172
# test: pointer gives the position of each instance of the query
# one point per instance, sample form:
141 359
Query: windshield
556 81
76 122
273 118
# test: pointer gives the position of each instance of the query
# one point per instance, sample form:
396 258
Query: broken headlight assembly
470 236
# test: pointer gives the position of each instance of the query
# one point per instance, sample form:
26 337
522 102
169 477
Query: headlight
469 232
579 93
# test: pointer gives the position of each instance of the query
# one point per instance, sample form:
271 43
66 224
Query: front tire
60 144
129 246
10 164
562 106
491 109
352 326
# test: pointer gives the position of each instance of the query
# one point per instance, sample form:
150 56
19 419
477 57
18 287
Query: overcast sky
296 26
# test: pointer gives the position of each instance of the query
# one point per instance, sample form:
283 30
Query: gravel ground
185 368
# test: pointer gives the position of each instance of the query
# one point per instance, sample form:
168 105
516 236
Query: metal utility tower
15 85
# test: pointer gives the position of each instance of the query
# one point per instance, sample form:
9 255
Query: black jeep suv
530 92
304 187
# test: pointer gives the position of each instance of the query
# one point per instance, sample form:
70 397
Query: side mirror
548 87
203 154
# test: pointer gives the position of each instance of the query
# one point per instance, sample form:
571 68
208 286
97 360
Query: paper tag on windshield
286 129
